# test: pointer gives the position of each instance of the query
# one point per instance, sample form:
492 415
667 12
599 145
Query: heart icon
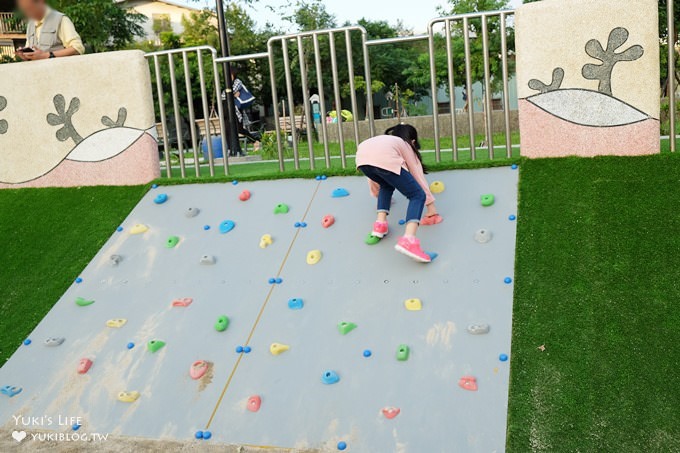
19 435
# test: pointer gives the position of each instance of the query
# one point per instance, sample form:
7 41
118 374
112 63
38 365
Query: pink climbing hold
254 403
391 412
84 365
185 302
245 195
198 369
328 221
468 383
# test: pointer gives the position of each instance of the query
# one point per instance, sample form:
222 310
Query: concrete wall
76 121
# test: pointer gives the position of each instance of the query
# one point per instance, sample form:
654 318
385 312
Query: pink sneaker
380 229
411 248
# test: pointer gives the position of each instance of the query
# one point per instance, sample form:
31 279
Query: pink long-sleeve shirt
392 154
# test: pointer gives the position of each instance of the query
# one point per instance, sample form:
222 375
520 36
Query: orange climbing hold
84 365
185 302
245 195
468 383
327 221
391 412
254 403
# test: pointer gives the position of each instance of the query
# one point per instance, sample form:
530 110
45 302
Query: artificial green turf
597 283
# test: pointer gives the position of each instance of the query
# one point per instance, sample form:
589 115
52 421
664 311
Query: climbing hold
314 256
327 221
297 225
154 186
278 348
433 256
10 390
184 302
503 357
171 242
478 329
324 177
403 352
487 200
247 349
254 403
119 229
155 345
483 236
199 435
54 341
222 323
83 302
372 240
346 327
367 353
390 412
114 260
278 280
514 166
295 304
512 217
265 241
27 341
468 383
239 349
160 198
191 212
227 226
207 435
402 222
318 177
507 280
206 227
339 193
207 260
116 323
437 187
79 280
75 427
84 365
272 281
303 224
139 229
198 369
244 196
128 397
342 445
234 182
281 209
130 345
413 304
330 377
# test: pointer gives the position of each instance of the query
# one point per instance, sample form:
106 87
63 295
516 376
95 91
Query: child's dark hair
409 134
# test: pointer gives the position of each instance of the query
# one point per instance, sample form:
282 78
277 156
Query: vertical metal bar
322 99
369 83
178 118
670 12
192 116
452 91
305 98
434 87
206 113
468 87
352 88
275 103
506 94
220 114
487 88
161 106
338 102
291 101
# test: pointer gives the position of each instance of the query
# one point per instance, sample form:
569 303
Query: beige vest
49 41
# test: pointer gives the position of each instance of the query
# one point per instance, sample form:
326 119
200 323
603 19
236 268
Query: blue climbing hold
227 226
79 280
433 256
514 166
507 280
207 435
503 357
330 377
303 224
340 192
160 198
119 229
324 177
206 227
272 281
278 281
199 435
402 222
10 390
342 445
318 177
295 304
75 427
154 186
297 225
367 353
234 182
239 349
130 345
512 217
27 341
247 349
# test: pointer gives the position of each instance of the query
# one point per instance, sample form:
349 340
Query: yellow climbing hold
437 187
266 241
128 397
413 304
314 257
278 348
139 229
116 323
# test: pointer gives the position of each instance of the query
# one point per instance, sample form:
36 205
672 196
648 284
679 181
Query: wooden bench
296 124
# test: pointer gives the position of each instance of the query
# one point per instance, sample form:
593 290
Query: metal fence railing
670 12
11 24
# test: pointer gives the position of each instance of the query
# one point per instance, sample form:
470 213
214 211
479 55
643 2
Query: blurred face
32 9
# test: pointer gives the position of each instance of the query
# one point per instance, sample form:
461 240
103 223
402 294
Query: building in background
162 16
12 30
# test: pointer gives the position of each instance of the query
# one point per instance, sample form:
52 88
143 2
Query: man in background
50 34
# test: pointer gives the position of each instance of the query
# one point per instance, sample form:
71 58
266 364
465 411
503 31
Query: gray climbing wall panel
353 282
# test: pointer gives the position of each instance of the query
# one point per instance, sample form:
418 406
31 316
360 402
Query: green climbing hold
346 327
487 200
222 323
281 209
171 242
372 240
403 352
83 302
155 345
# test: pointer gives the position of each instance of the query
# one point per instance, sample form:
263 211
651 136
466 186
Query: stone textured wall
74 121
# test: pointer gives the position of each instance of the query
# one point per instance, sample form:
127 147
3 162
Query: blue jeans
404 183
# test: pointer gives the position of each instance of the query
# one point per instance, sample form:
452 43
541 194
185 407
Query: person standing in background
49 34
